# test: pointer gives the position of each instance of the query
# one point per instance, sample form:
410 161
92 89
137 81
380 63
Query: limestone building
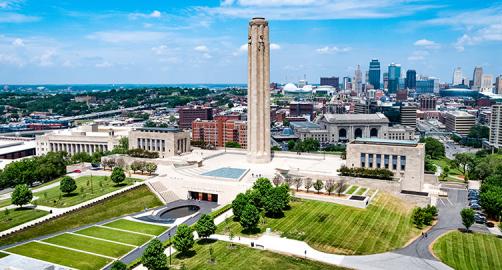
258 132
404 158
165 141
459 122
347 127
496 126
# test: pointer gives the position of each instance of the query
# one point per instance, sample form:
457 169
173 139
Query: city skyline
202 41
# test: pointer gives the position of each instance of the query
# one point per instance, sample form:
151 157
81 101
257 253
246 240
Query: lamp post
170 244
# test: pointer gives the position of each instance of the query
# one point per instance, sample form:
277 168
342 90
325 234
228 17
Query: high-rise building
459 122
408 113
428 103
425 85
347 83
486 83
258 126
476 78
220 131
498 85
357 86
496 126
411 79
189 114
457 76
394 76
385 78
332 81
374 74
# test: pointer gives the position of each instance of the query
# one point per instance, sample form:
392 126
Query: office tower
459 122
428 103
385 78
498 85
486 83
408 115
358 80
374 74
394 76
457 76
346 83
189 114
258 130
411 79
476 78
332 81
425 85
496 126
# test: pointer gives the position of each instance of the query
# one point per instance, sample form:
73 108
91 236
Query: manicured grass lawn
4 203
140 227
115 235
60 256
240 257
469 250
129 202
87 188
3 254
351 190
384 225
89 244
446 162
361 191
19 216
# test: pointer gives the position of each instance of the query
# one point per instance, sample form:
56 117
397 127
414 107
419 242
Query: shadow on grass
464 230
251 231
68 195
186 255
120 185
275 216
206 241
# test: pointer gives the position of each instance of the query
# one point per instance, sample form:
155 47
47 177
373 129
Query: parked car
475 206
473 202
479 219
77 171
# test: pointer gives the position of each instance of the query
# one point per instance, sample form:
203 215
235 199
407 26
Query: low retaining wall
333 199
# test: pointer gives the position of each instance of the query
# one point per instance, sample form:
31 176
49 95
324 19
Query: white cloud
46 59
425 43
18 42
202 48
11 60
274 46
127 36
244 48
160 50
9 17
155 14
418 55
333 49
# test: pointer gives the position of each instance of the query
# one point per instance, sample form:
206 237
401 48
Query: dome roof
290 87
307 87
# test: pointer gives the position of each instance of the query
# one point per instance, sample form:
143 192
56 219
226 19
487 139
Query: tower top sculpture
258 133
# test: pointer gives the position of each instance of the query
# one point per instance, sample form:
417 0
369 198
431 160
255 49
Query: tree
340 187
183 239
276 200
445 173
318 185
205 226
467 215
118 175
464 160
298 183
136 166
239 203
434 149
67 185
118 265
232 145
277 180
21 195
151 167
250 217
308 184
154 258
260 189
330 186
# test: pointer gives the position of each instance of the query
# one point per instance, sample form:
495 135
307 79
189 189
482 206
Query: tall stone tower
258 133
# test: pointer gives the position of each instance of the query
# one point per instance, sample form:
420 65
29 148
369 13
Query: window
370 161
403 163
363 160
386 161
394 162
378 160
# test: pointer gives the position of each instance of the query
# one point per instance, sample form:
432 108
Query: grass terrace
88 187
61 256
351 190
134 226
463 251
4 203
88 244
19 216
129 202
116 235
384 225
240 257
361 191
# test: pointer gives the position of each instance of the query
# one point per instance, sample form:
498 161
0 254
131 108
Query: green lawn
89 244
4 203
140 227
469 250
361 191
60 256
87 188
351 190
384 225
240 257
115 235
18 216
446 162
129 202
3 254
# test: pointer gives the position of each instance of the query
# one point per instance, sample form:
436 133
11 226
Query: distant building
404 158
332 81
357 85
486 83
428 103
457 77
477 78
411 79
165 141
188 114
408 114
394 77
347 127
498 85
309 130
14 148
374 74
425 86
402 95
85 99
347 83
496 126
385 78
301 108
220 131
399 132
459 122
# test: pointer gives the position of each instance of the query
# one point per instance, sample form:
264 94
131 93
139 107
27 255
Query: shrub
183 239
21 195
118 175
378 173
154 258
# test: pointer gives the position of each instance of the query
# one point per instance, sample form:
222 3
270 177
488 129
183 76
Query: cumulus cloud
201 48
160 50
428 44
153 14
18 42
332 50
46 59
418 55
244 48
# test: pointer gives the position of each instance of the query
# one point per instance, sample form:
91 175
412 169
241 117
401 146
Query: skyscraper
457 76
258 131
394 76
498 85
358 80
476 78
496 126
411 79
374 74
486 83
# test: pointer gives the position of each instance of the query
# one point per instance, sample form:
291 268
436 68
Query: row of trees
305 145
377 173
143 166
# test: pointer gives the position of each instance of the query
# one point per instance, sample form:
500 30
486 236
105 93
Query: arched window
358 133
374 132
342 133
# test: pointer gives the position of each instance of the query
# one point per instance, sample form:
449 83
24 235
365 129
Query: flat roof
172 129
8 147
304 125
370 118
385 142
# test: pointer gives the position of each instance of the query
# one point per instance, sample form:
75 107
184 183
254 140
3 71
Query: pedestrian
425 235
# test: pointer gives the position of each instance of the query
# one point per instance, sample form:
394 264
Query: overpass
111 112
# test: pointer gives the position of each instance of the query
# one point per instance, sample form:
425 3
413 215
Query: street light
170 244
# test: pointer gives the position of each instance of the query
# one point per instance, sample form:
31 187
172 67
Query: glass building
374 74
394 76
411 79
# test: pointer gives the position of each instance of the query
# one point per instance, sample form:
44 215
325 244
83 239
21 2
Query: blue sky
185 41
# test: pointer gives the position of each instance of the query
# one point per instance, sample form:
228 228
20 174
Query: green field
115 235
351 190
140 227
384 225
446 162
129 202
19 216
469 250
361 191
240 257
60 256
4 203
87 188
89 244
